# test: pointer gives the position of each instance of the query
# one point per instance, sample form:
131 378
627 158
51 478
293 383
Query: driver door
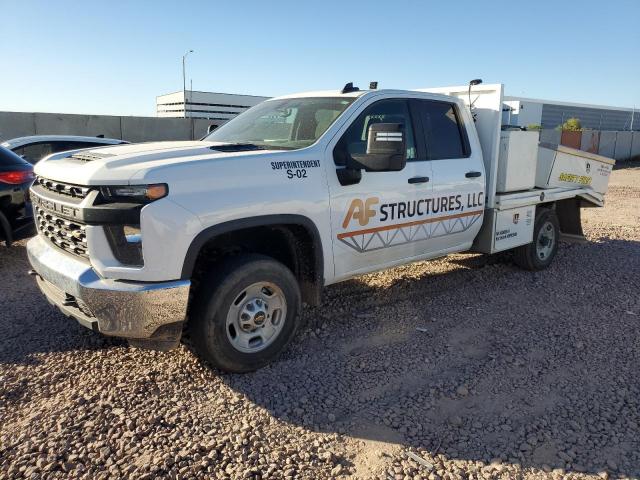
372 218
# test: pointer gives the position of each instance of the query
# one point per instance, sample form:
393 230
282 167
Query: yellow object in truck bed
560 166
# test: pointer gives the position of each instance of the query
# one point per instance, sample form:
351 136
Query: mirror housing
386 149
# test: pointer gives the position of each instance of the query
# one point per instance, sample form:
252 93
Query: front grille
68 235
61 188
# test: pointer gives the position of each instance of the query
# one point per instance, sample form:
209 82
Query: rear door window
444 133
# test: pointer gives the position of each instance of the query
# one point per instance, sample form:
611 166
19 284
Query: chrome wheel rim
256 317
546 241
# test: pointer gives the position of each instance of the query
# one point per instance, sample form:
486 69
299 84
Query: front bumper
133 310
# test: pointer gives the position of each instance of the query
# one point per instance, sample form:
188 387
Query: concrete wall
635 145
623 145
132 129
590 141
140 129
607 144
550 136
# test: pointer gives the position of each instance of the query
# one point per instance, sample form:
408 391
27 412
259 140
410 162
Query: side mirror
386 149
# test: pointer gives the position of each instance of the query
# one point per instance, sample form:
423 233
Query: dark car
16 176
34 148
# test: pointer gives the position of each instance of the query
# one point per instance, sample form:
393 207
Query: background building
549 114
217 107
610 131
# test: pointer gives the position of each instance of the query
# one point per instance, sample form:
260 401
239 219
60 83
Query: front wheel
245 313
539 254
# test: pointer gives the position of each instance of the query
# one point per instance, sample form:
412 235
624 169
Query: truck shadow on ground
478 361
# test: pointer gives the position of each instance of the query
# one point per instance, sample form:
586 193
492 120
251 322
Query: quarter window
354 140
444 135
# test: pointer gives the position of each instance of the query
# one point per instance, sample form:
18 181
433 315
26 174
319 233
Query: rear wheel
539 254
245 313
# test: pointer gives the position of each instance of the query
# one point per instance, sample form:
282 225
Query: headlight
136 193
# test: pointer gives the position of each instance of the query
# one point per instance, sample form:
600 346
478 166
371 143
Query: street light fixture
184 84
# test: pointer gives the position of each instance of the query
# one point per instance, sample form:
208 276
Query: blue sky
115 57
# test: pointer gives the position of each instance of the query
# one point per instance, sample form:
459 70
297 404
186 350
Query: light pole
184 84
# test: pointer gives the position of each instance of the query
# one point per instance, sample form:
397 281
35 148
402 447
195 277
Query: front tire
539 254
245 313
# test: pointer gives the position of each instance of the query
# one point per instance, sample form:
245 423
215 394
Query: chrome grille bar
61 188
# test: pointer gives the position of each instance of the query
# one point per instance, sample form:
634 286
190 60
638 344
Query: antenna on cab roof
349 88
373 85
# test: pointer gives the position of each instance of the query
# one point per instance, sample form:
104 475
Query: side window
64 146
36 152
443 131
354 140
79 145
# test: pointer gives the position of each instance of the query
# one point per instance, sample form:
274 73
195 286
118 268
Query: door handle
418 180
472 174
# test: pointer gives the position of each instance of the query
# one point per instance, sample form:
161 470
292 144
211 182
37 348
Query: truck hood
119 164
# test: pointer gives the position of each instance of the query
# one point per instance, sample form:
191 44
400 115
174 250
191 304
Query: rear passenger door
458 182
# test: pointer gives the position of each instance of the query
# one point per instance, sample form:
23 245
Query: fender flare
210 233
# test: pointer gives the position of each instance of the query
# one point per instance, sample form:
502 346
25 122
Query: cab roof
323 93
360 93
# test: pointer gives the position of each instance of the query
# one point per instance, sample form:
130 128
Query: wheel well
291 244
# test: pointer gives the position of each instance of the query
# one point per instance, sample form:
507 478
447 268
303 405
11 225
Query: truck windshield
286 124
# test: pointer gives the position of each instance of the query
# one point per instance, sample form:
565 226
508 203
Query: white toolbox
560 166
517 161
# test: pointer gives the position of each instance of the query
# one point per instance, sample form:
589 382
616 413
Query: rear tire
245 313
539 254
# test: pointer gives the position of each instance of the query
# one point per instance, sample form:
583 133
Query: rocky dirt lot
460 368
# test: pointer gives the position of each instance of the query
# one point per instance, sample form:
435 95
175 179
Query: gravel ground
459 368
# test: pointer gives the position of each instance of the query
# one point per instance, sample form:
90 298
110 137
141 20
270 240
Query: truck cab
224 238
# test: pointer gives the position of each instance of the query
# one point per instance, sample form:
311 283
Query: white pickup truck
227 236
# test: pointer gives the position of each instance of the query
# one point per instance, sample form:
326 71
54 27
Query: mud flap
568 212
